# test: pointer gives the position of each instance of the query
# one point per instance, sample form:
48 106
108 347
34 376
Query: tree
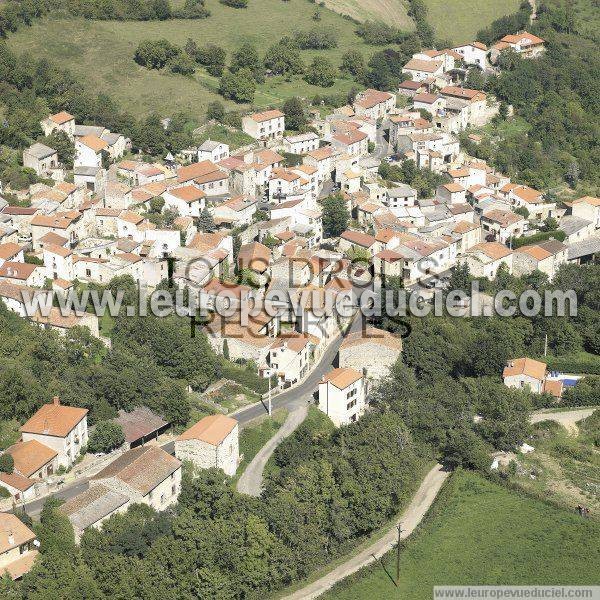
63 145
225 350
571 176
182 64
522 210
157 204
353 63
7 464
206 222
239 87
550 224
246 57
212 57
460 278
335 215
318 38
155 54
283 58
321 72
475 79
215 111
106 436
295 114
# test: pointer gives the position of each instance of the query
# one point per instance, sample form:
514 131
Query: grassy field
459 20
101 52
480 533
389 11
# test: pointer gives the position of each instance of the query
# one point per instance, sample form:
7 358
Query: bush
317 38
585 393
235 3
107 436
378 33
7 464
155 54
538 237
182 64
245 377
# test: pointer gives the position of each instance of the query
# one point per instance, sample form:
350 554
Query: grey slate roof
89 507
40 151
402 191
571 224
584 248
209 146
81 130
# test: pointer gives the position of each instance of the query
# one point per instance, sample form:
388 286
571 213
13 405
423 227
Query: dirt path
251 480
412 516
568 419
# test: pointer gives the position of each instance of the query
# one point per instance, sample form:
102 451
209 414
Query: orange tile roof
22 565
195 170
61 118
93 142
372 335
30 456
370 98
588 200
255 256
58 250
9 250
427 66
342 378
504 218
187 193
266 115
212 430
10 524
522 37
525 366
358 238
16 481
536 252
494 250
321 153
17 270
553 387
454 188
458 92
54 419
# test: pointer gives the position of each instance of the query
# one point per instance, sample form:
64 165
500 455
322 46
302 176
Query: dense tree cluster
424 181
318 38
335 215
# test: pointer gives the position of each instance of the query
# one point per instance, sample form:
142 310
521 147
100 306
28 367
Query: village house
374 104
406 123
473 54
93 507
187 200
213 151
502 225
254 256
267 125
587 208
33 459
372 349
546 256
352 142
485 259
342 396
357 240
284 185
401 195
11 252
451 193
236 211
62 121
61 428
301 143
22 274
206 176
146 475
55 320
65 224
323 160
576 228
523 43
522 196
525 372
289 357
469 235
388 263
411 88
421 70
42 159
213 442
88 151
17 547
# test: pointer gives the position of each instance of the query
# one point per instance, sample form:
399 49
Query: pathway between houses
412 516
252 478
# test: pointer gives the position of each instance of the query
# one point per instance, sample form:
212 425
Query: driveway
412 516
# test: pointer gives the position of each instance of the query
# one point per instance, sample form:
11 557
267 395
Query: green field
101 52
480 533
459 20
389 11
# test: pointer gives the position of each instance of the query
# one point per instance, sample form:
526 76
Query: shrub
538 237
155 54
182 64
7 464
107 436
378 33
317 38
235 3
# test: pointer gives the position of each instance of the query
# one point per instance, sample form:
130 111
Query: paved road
568 419
71 490
382 148
252 479
412 516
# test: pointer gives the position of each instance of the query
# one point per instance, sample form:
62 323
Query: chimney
56 401
11 538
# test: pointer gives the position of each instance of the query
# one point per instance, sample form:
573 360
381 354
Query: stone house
187 200
42 159
265 125
485 259
213 151
372 349
547 257
62 121
503 224
212 442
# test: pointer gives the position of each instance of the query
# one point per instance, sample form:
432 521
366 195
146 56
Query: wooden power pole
398 555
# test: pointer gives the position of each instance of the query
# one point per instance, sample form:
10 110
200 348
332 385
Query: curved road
411 517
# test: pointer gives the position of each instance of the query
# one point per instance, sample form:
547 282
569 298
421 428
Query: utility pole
270 408
398 555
